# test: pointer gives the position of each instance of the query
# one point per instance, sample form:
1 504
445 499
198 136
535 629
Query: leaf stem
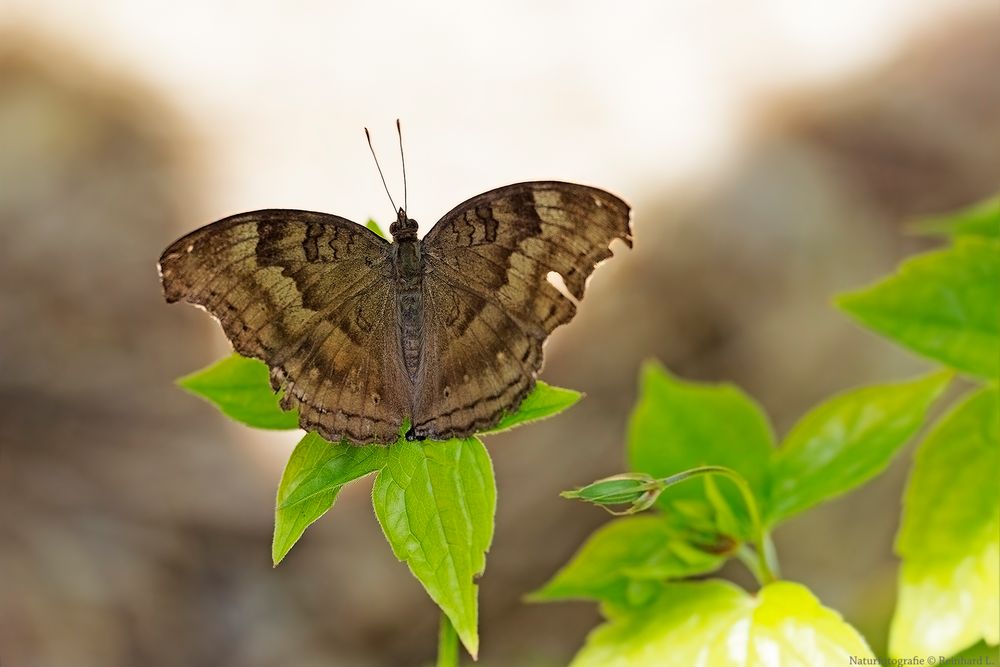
765 564
447 644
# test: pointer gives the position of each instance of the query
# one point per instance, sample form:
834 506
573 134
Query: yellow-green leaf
240 389
372 225
949 589
679 425
622 555
543 402
436 503
314 475
981 219
716 623
944 305
846 441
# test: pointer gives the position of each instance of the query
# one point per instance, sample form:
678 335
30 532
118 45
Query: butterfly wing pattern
362 334
489 303
312 296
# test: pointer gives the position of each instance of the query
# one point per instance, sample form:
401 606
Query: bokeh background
772 151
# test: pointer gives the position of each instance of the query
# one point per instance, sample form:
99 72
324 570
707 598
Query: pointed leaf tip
240 388
436 503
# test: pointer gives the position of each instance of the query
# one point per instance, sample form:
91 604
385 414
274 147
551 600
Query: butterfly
362 334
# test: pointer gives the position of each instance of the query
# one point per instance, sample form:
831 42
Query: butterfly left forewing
310 295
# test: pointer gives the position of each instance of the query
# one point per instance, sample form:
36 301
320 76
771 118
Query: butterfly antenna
402 159
369 136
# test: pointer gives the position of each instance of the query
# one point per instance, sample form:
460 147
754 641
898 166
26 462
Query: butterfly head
404 229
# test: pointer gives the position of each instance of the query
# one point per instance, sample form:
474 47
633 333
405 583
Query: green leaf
623 552
942 305
846 441
316 472
950 535
982 219
978 654
436 502
544 401
372 225
679 425
716 623
240 388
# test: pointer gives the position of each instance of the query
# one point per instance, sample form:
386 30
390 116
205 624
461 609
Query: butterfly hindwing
478 361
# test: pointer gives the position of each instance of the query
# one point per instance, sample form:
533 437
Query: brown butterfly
363 333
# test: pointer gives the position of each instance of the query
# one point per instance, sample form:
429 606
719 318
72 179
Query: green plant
704 456
435 501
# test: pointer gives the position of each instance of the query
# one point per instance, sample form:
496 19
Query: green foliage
314 475
944 305
541 403
626 562
846 441
436 504
435 500
679 425
680 430
941 304
717 623
950 536
240 388
982 219
372 225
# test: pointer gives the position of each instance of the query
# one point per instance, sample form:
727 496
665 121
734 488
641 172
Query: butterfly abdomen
410 314
409 271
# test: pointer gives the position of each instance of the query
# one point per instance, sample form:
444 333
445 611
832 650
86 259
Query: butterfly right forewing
488 302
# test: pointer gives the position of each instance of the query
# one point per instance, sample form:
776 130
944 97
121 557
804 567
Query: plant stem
750 560
771 556
765 567
447 644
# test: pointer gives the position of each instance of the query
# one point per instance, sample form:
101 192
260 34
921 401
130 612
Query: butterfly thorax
408 269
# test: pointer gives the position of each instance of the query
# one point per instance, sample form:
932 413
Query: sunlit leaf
544 401
950 536
436 503
978 654
623 554
240 388
679 425
846 441
982 219
715 623
315 473
943 305
372 225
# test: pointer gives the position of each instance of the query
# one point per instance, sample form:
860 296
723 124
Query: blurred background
772 152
